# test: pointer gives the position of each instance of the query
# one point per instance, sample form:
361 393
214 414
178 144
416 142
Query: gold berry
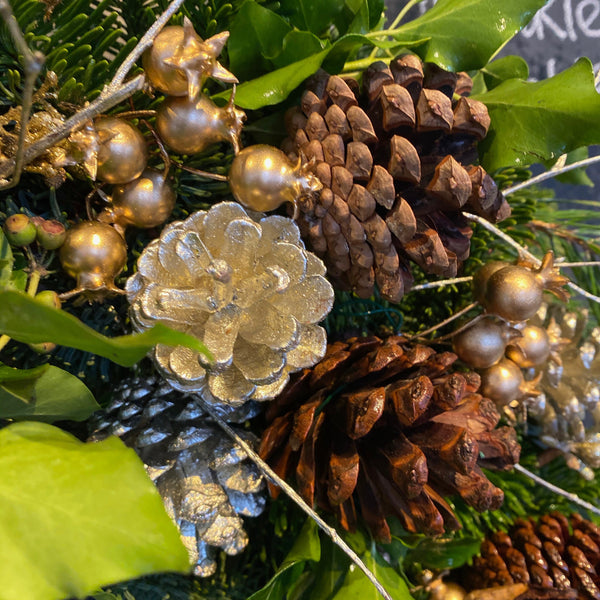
122 151
532 349
262 178
144 202
94 254
187 126
502 382
513 293
484 343
164 76
482 275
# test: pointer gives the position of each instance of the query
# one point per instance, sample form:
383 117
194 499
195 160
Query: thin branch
275 479
140 47
455 316
523 251
552 173
32 65
574 498
441 283
101 104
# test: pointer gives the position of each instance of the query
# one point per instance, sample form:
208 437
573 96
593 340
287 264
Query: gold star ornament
180 61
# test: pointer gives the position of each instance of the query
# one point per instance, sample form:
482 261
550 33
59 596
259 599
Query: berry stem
275 479
524 252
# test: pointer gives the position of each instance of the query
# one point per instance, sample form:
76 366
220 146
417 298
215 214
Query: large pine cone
395 163
554 552
204 478
384 425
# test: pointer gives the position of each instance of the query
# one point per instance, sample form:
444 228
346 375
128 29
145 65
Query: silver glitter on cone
205 479
243 284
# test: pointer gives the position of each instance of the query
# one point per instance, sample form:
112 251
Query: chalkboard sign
559 34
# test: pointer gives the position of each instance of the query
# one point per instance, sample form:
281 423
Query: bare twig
274 478
524 252
455 316
441 283
552 173
112 94
574 498
32 65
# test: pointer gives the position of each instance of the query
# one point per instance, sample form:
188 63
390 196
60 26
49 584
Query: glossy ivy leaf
356 586
274 87
317 16
464 34
444 553
6 261
45 393
25 320
75 517
307 547
533 122
576 176
256 37
507 67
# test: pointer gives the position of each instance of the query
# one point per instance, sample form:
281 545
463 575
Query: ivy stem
523 251
275 479
552 173
574 498
395 22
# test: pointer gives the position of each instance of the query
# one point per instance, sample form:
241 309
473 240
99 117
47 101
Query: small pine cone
205 480
395 163
553 553
386 426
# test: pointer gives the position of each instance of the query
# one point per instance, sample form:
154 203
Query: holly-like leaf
356 586
464 34
45 393
75 517
443 554
307 547
533 122
273 88
29 321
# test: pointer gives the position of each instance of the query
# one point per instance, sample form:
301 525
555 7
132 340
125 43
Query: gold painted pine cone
384 427
396 163
206 481
551 554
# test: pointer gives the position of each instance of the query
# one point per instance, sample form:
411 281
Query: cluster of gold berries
501 342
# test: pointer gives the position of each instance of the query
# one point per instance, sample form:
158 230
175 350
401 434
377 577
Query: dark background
557 36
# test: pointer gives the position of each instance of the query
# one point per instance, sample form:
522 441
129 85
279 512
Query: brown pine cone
552 553
384 427
396 166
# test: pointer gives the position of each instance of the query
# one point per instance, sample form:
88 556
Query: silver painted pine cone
246 286
204 478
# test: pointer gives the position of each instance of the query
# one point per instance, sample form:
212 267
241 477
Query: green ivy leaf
307 547
26 320
356 586
533 122
444 554
6 261
45 393
75 517
576 176
274 87
465 34
507 67
256 36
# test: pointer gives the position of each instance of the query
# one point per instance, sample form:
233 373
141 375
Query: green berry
50 234
43 347
48 298
19 230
